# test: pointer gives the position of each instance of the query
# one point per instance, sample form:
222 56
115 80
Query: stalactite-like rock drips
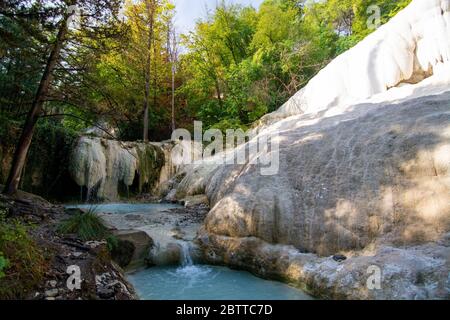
103 166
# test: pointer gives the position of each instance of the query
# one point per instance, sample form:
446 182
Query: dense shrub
22 262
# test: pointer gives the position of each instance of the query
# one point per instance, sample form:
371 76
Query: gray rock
51 293
95 244
52 283
141 243
339 258
373 177
171 196
194 201
77 254
105 293
408 273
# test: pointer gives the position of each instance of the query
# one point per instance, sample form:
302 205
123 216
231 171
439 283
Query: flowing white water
185 254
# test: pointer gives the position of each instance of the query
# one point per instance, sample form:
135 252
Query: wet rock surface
68 256
384 272
176 217
168 231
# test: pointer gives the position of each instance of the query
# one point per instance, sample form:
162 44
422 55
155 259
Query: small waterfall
185 254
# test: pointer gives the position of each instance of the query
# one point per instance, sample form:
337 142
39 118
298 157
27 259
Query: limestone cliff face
364 164
103 165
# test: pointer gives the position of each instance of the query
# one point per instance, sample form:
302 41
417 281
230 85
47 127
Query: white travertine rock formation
411 47
377 171
101 165
364 163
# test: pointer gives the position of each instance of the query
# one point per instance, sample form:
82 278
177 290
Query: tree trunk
172 54
173 96
26 137
147 90
219 93
151 10
146 98
146 114
155 74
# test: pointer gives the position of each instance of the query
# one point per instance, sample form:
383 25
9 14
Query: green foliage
9 130
227 124
121 72
349 18
28 29
88 226
277 54
112 243
4 263
22 263
48 159
242 63
239 64
21 61
46 169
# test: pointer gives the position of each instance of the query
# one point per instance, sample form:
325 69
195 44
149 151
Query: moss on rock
151 160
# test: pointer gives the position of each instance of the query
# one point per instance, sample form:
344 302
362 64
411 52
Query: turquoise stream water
196 282
201 282
125 208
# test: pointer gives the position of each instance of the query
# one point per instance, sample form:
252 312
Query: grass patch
22 262
87 226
